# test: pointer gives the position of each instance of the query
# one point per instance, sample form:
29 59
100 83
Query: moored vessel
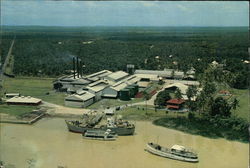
107 135
176 152
119 126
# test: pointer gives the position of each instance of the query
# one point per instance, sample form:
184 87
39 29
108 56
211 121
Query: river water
48 144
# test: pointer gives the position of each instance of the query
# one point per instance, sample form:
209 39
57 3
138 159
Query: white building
166 73
81 99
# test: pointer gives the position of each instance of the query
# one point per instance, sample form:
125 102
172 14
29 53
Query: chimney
74 67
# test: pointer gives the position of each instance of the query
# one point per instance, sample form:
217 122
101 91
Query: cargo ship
98 122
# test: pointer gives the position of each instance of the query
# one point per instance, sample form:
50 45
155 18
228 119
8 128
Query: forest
48 51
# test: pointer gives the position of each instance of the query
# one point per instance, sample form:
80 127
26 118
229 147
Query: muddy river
48 144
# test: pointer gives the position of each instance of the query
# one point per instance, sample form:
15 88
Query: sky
124 13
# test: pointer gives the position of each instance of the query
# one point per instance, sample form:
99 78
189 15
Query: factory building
70 84
167 73
80 99
117 76
97 88
114 90
148 77
98 75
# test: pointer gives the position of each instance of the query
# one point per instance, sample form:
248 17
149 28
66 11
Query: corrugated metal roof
117 75
98 85
23 99
181 86
99 74
85 96
125 82
165 73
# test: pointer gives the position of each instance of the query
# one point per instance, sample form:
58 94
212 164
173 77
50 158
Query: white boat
176 152
100 135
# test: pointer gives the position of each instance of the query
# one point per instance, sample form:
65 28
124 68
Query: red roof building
224 92
175 104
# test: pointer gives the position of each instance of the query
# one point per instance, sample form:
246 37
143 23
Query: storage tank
131 91
136 88
124 94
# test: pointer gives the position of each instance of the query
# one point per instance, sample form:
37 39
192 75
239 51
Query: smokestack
74 67
77 66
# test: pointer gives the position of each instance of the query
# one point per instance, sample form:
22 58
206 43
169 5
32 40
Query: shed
24 101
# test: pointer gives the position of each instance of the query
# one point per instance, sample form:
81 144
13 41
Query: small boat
176 152
107 135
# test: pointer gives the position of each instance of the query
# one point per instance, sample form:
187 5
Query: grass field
35 87
16 110
140 113
243 109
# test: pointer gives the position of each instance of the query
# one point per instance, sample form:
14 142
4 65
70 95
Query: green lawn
15 109
140 113
35 87
243 97
112 103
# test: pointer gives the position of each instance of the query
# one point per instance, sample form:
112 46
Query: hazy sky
124 13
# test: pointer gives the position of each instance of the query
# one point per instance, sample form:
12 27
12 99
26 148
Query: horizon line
114 26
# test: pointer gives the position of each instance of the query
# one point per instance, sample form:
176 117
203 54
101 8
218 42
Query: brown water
48 144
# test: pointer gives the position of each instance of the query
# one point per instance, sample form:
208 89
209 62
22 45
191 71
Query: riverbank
230 129
28 117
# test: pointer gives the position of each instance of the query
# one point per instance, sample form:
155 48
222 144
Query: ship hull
154 151
121 131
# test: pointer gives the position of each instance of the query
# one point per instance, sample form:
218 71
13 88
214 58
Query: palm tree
201 100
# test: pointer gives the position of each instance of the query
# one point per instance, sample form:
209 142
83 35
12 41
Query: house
80 99
224 93
175 104
22 100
